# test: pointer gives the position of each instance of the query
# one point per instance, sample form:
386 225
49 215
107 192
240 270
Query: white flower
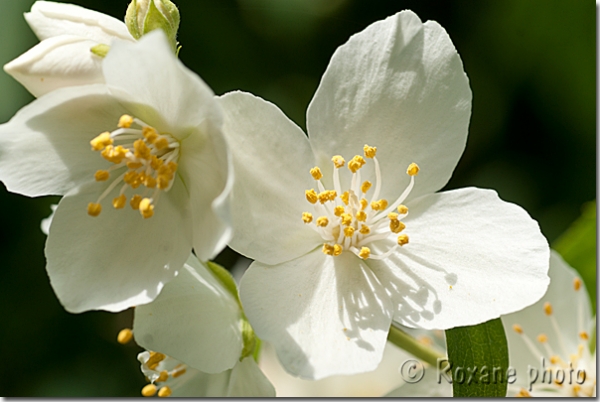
167 159
196 325
63 57
549 342
333 266
560 323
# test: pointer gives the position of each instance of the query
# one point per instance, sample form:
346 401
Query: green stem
413 346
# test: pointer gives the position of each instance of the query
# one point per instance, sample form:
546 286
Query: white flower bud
144 16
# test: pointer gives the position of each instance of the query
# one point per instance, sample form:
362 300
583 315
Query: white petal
48 19
118 259
208 176
471 258
45 224
572 311
324 315
272 159
45 147
247 380
194 320
57 62
155 77
398 85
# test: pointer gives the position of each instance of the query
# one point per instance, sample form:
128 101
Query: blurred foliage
577 245
532 68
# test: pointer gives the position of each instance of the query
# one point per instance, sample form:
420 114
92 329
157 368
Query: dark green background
532 138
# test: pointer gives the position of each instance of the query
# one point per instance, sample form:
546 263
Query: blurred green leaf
577 245
478 357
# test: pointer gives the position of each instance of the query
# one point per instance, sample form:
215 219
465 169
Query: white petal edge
324 315
398 85
57 62
272 160
48 19
118 259
194 320
471 258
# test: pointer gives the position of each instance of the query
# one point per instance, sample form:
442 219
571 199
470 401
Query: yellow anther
576 388
154 359
393 216
134 165
94 209
124 336
164 392
396 226
379 205
345 197
150 134
324 196
365 186
361 216
356 163
163 376
327 249
114 154
548 308
130 177
125 121
517 328
316 173
339 210
584 335
364 253
307 217
146 208
364 229
135 201
311 195
542 338
337 250
577 284
369 151
523 393
348 231
338 161
179 371
363 204
402 240
161 143
402 209
413 169
101 141
150 182
554 359
322 221
101 175
156 163
346 219
119 202
149 390
141 150
163 181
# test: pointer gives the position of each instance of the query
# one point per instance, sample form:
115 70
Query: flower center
149 161
346 220
570 375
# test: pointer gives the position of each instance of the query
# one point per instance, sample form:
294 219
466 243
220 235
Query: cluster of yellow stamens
149 159
155 364
568 374
347 220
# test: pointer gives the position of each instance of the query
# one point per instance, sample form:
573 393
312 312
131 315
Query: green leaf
478 357
577 245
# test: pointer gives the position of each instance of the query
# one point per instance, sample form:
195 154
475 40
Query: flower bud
144 16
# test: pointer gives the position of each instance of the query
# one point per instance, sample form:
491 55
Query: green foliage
577 245
478 357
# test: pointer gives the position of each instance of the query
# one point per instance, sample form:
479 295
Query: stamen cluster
346 220
160 368
149 158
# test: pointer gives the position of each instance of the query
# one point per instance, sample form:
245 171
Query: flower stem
413 346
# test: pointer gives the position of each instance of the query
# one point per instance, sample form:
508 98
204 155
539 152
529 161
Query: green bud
100 50
144 16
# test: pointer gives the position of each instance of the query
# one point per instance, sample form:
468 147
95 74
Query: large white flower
194 331
333 260
156 144
548 344
63 57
